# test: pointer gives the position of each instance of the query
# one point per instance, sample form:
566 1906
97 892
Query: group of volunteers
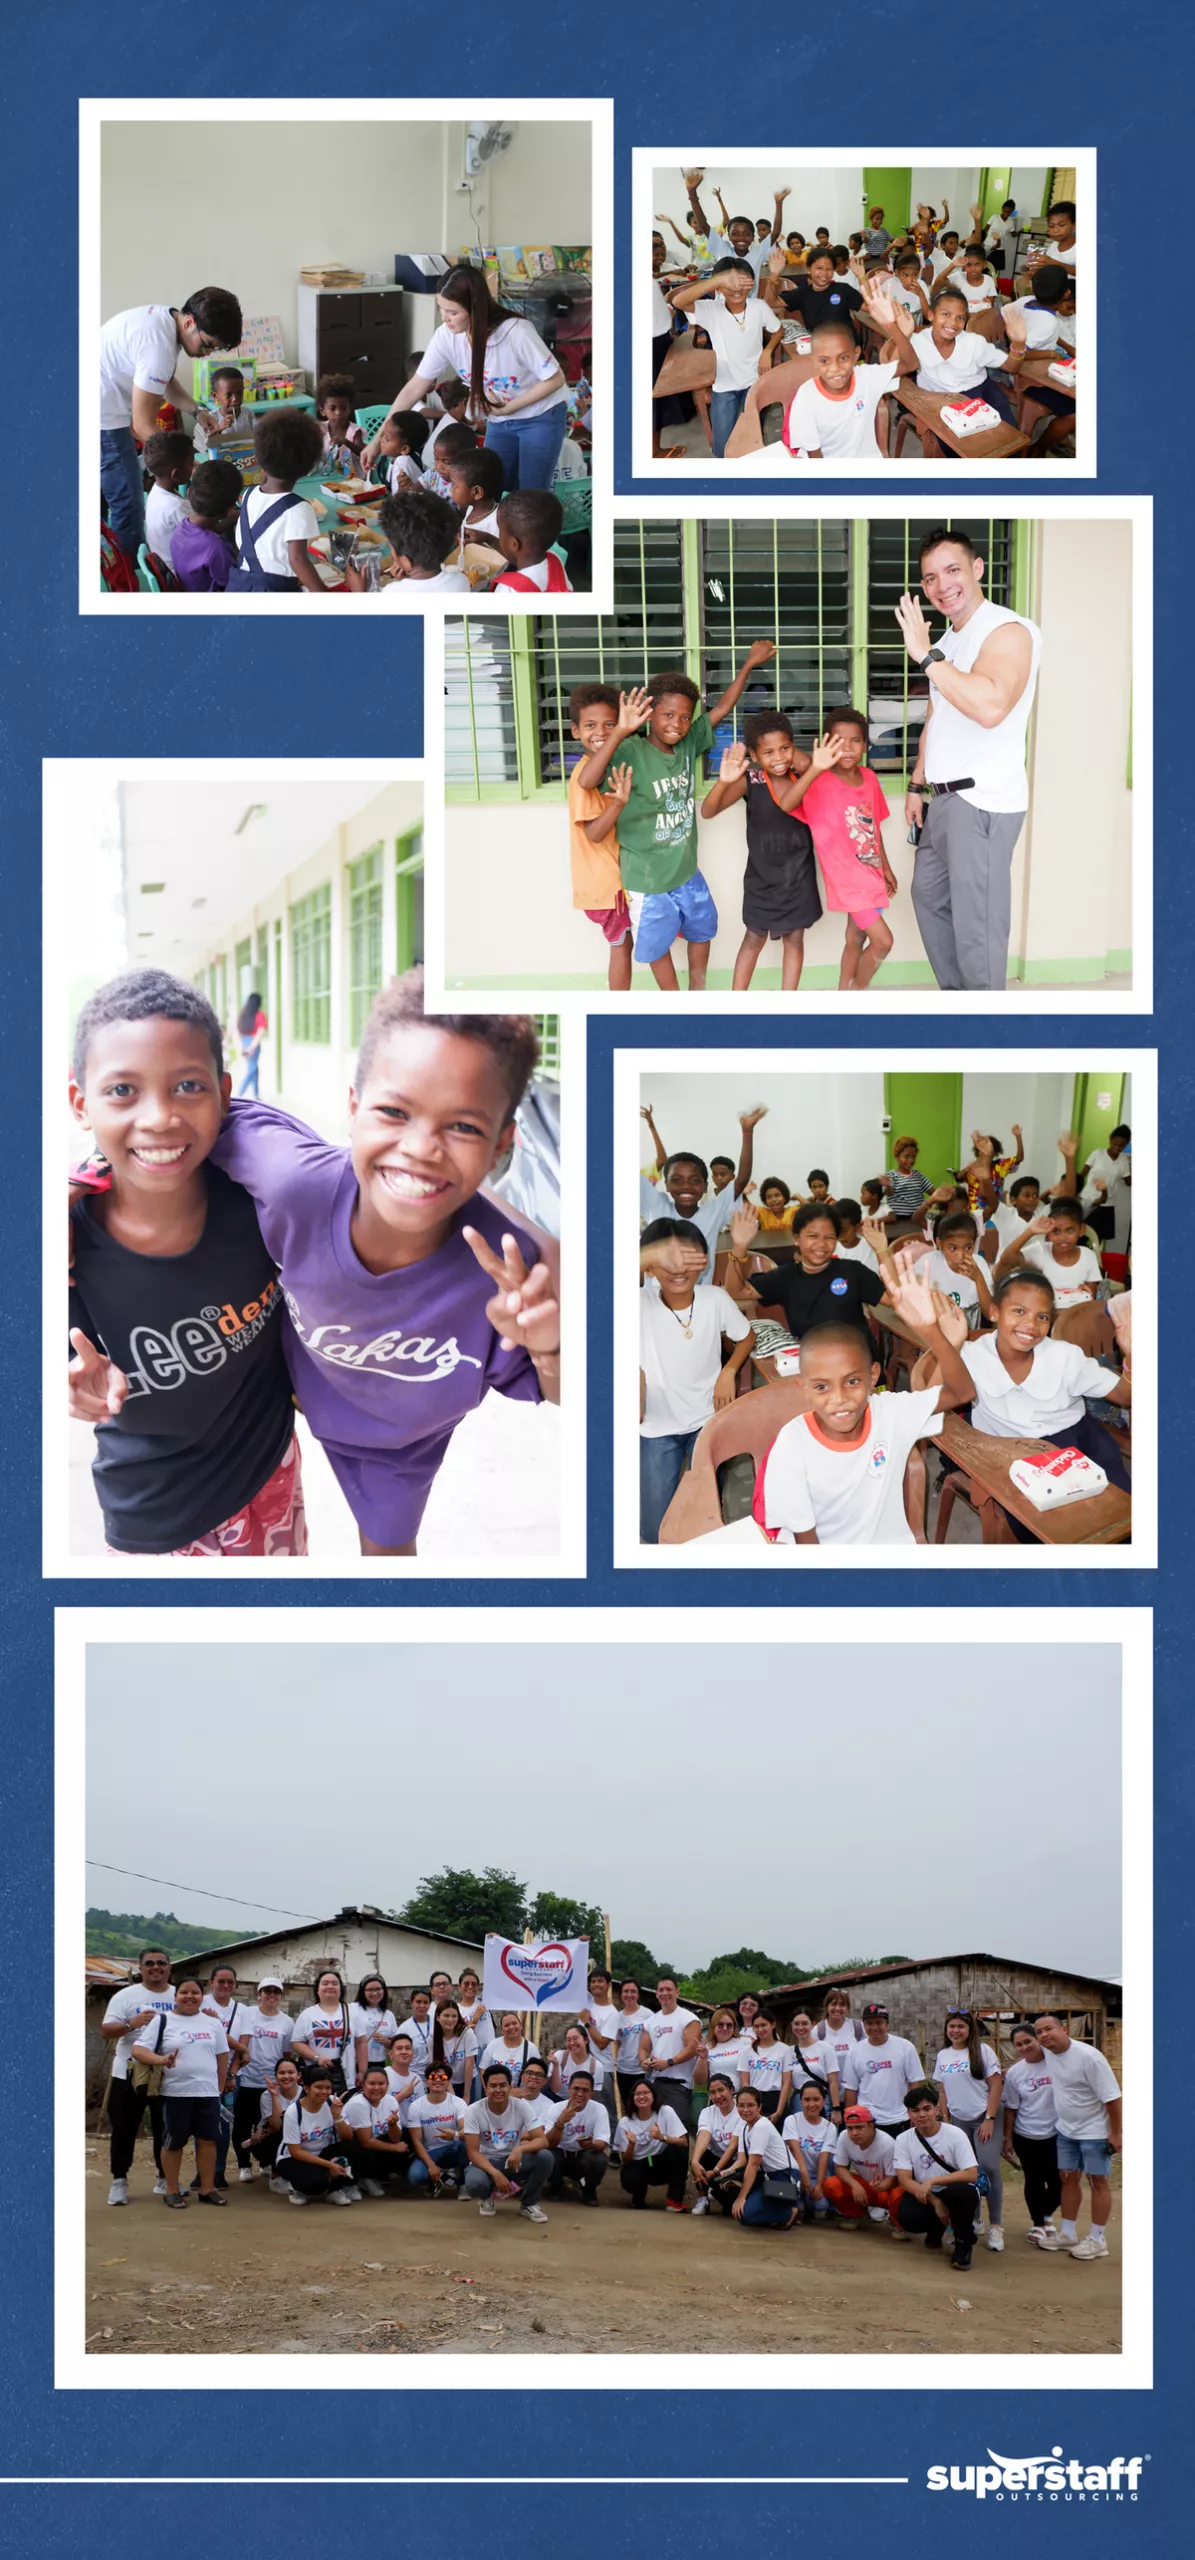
469 454
814 816
978 1267
841 2123
229 1265
955 309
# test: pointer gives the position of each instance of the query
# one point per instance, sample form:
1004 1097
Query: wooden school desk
925 408
1101 1520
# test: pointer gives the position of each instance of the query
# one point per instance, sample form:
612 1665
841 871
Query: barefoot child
841 800
657 832
593 830
780 896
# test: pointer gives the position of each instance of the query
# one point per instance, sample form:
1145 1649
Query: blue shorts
663 916
1094 2157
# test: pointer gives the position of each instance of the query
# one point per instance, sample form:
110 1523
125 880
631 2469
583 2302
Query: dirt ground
408 2277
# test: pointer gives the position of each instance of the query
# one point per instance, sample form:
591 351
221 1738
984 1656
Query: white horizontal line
436 2480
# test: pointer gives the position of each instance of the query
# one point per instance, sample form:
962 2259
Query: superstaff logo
1042 2476
538 1971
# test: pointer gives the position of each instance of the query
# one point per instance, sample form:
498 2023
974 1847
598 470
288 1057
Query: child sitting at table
948 356
1026 1385
849 1223
275 526
476 485
836 413
685 1373
742 328
343 439
834 1475
841 800
955 1269
1053 1243
201 546
224 413
529 522
1036 323
657 831
874 1204
777 1207
421 530
971 276
402 443
454 397
168 458
593 830
905 285
456 442
780 894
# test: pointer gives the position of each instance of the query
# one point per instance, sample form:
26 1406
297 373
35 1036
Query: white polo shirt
1050 1399
1068 1280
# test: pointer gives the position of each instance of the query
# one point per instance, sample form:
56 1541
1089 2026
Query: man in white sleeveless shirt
982 678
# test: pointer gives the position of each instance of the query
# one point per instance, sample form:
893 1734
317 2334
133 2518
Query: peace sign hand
96 1387
524 1311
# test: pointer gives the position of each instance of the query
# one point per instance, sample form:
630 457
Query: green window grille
261 966
244 969
897 696
548 1029
644 634
311 967
788 583
364 879
408 900
480 743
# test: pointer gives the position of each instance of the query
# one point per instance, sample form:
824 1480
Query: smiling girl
516 387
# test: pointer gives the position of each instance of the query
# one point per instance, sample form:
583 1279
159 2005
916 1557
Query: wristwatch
932 658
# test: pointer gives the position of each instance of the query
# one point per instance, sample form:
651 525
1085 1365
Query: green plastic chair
371 418
576 499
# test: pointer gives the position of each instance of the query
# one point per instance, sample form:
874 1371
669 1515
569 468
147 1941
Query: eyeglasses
958 2013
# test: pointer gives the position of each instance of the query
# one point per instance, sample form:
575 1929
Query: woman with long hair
323 2032
727 2047
970 2083
374 2025
770 2069
653 2148
517 391
454 2045
251 1031
814 2060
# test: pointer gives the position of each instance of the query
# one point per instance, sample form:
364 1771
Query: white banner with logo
548 1975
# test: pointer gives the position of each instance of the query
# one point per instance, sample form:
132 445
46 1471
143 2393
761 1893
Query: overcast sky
714 1796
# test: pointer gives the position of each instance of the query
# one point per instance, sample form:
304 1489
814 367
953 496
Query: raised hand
744 1227
914 628
634 708
912 1298
1068 1144
646 1111
675 1259
777 262
618 782
1039 1226
735 760
751 1119
1100 1184
873 1234
96 1388
760 652
950 1320
1017 1130
880 300
828 751
524 1311
781 195
692 177
1014 321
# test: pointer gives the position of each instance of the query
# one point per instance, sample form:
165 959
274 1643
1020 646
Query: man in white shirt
861 2181
420 2027
579 2141
669 2048
532 2088
128 2012
600 2023
937 2172
880 2069
508 2151
983 677
1087 2103
435 2130
139 358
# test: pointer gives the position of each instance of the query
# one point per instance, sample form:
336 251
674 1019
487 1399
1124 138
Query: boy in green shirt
657 828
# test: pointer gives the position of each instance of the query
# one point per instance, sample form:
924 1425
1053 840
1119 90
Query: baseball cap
269 1982
875 2009
858 2115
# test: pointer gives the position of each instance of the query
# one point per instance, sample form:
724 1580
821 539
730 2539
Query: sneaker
588 2195
670 2207
159 2186
702 2205
489 2204
372 2187
244 2177
995 2236
934 2238
962 2255
279 2187
1094 2246
452 2184
294 2197
877 2213
342 2195
118 2192
535 2212
1052 2239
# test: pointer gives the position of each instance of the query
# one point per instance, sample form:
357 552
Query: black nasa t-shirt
836 301
209 1413
839 1294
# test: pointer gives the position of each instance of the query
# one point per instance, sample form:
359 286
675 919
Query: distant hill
124 1933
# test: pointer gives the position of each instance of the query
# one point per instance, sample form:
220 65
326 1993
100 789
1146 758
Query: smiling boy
836 413
593 830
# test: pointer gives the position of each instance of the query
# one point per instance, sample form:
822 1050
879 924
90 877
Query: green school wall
930 1109
893 188
1095 1118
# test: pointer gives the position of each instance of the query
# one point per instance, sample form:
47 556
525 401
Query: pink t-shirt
845 818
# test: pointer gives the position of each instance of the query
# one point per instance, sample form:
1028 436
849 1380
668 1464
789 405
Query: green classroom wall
929 1108
893 188
993 190
1094 1118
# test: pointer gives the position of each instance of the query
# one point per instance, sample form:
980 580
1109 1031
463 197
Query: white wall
246 205
957 186
1042 1104
832 196
1028 186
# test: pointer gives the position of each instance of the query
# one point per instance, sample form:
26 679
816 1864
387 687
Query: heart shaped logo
537 1972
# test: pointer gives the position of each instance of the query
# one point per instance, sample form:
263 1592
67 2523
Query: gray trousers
962 891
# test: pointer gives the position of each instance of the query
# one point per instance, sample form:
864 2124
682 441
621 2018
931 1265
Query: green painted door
993 191
893 188
930 1109
1097 1108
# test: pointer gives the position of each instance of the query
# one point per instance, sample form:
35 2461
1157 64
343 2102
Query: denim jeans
662 1463
248 1082
447 2155
529 448
726 408
120 480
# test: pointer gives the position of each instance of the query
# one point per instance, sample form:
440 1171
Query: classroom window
789 583
364 879
548 1031
480 747
408 900
244 970
644 634
261 971
897 695
311 966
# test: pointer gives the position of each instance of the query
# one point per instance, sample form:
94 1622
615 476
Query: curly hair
145 995
510 1037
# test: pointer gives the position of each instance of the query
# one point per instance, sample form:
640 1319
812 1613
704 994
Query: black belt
942 790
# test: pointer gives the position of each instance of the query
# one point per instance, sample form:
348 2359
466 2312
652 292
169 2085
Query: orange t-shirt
597 881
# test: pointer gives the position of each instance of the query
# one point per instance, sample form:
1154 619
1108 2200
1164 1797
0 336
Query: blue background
91 687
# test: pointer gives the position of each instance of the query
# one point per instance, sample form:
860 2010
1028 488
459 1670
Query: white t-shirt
376 2119
1009 1225
905 293
593 2065
1041 324
764 2144
966 2098
955 745
767 2066
813 2062
979 297
543 2111
709 1216
879 2074
840 424
607 2018
198 2042
733 2058
163 510
738 340
513 2055
873 2166
592 2123
681 1374
139 350
1067 1279
964 370
308 2133
857 1253
378 2024
812 2139
329 2032
1112 1171
406 2087
480 2022
666 2036
299 524
1056 257
498 2133
536 572
722 2130
1049 1400
837 2044
421 2037
460 2054
129 2003
952 2147
408 593
954 1285
661 311
265 2111
515 357
438 2119
1083 2082
269 2039
1029 2097
641 2135
630 2032
852 1493
404 473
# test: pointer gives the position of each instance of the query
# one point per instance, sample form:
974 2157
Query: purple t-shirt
382 1359
201 560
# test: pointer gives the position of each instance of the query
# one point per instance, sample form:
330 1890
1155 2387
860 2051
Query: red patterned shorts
273 1524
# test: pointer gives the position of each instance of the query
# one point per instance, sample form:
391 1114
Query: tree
630 1956
554 1915
463 1905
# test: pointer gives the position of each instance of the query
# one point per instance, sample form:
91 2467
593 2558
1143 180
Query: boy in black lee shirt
176 1309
